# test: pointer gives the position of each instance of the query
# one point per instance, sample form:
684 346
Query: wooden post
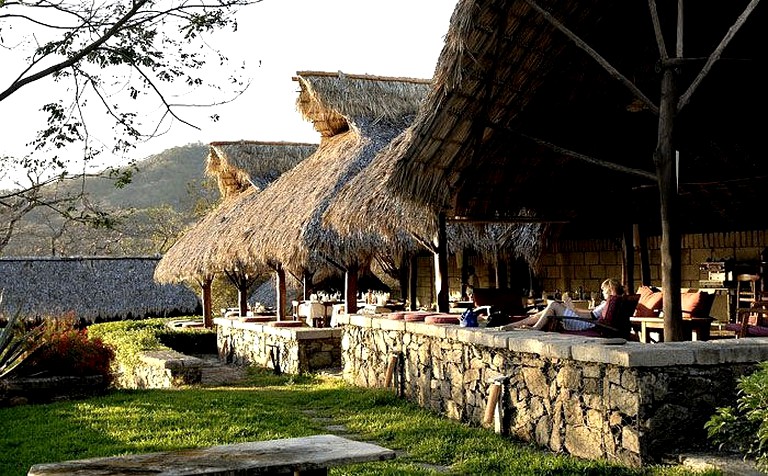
412 282
350 289
629 259
391 366
281 298
403 271
645 261
501 272
441 265
664 157
206 298
493 400
242 293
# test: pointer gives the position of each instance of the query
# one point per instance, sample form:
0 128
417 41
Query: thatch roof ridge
370 77
335 102
284 223
238 165
281 217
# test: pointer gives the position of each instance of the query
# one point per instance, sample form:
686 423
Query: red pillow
651 302
699 304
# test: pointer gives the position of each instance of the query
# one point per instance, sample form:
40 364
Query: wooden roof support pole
403 271
350 289
641 244
205 286
664 157
281 295
441 265
413 273
242 295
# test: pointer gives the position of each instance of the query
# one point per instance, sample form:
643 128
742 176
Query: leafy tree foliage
104 59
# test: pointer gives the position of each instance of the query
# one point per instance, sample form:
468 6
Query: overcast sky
275 39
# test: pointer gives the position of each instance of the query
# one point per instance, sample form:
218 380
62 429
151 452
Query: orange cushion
698 303
651 302
286 324
417 316
396 316
441 319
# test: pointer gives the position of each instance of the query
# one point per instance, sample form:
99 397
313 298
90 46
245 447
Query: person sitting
541 319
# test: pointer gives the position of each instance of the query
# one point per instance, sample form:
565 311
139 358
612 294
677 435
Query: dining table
651 329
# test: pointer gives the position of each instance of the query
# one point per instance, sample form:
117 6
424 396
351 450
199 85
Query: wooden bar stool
746 290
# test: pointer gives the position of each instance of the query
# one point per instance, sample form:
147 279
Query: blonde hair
613 286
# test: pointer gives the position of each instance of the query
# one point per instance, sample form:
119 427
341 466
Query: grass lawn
264 407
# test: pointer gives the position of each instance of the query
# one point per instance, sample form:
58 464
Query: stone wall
292 350
567 265
162 369
632 403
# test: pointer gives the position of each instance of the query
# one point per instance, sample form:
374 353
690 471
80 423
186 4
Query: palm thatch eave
288 212
238 165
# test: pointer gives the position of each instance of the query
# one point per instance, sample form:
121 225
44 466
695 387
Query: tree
119 58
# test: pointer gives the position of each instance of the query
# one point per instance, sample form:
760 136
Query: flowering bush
67 350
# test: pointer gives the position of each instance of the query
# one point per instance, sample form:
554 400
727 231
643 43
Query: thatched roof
401 221
95 288
514 96
356 116
241 164
245 166
194 255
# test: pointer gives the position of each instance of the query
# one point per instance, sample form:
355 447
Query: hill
166 194
163 178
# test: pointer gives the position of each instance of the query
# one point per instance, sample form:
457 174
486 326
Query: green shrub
129 338
132 337
744 427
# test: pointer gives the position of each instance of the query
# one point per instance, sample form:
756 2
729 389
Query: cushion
617 312
286 324
396 316
651 302
698 304
441 319
752 331
417 316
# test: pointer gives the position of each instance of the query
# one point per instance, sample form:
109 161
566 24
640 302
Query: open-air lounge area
556 241
528 169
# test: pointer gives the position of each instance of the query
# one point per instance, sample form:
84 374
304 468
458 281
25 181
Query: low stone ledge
170 359
587 349
293 333
284 349
165 369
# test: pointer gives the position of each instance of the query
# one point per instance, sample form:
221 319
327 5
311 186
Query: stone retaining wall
162 369
631 402
291 350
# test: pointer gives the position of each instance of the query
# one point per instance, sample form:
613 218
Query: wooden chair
614 323
752 322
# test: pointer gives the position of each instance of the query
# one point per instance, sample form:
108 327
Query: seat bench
311 455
